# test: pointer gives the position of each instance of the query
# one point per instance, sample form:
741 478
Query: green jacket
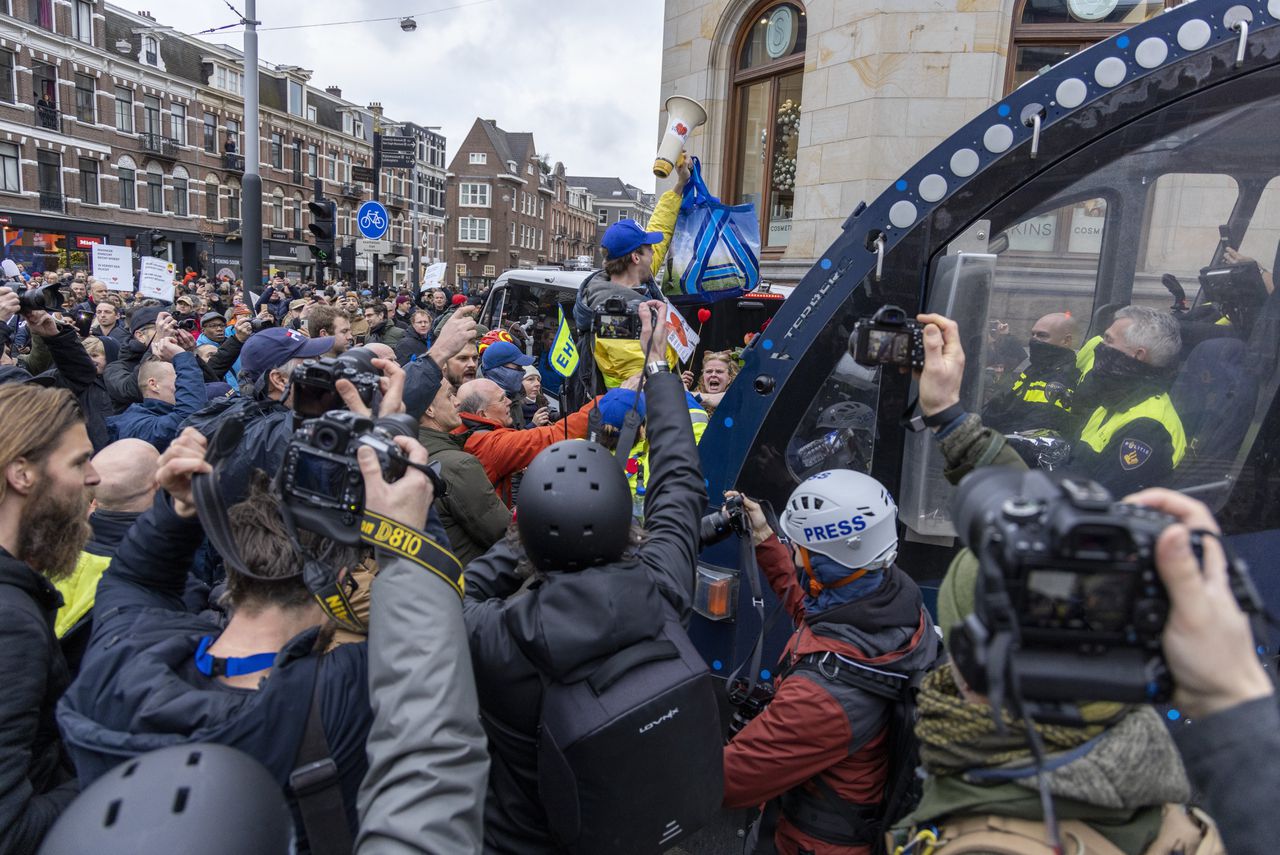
473 515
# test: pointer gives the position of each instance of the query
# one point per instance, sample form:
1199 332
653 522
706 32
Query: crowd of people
388 675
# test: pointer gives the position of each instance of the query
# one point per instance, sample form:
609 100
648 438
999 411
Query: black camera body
188 324
889 337
320 479
258 323
730 519
314 381
616 319
748 704
41 298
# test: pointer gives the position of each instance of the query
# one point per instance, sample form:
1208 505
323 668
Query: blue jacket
158 422
232 377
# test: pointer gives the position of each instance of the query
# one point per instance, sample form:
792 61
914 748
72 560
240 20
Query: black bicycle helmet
574 508
200 799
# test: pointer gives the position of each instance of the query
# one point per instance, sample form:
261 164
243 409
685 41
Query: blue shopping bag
715 249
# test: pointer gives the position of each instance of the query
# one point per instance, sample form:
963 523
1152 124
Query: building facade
816 106
574 242
612 200
117 129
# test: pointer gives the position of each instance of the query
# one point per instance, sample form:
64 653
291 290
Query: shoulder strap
613 668
1003 835
316 785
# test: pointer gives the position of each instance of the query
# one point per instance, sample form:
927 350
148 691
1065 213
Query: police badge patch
1133 453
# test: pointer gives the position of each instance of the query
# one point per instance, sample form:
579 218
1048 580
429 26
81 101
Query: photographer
121 376
822 747
592 596
1111 768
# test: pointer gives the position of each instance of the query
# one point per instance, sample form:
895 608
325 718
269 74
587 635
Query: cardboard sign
155 280
113 266
681 337
433 275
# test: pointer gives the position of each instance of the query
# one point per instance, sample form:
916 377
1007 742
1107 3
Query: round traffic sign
372 220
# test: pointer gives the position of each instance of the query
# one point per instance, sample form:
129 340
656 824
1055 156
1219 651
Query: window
83 21
211 199
155 190
9 170
233 201
296 93
473 195
602 217
348 123
473 229
478 157
331 166
765 117
227 79
277 210
124 110
89 181
297 212
86 99
359 131
233 136
150 51
1045 32
41 12
312 161
180 190
513 234
128 188
44 80
210 133
529 169
277 150
151 116
178 123
311 113
7 89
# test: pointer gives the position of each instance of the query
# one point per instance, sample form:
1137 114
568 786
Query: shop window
1045 32
765 117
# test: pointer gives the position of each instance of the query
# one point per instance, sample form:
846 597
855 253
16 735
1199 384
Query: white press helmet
846 516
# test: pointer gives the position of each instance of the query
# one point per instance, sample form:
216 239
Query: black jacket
77 373
217 366
36 780
121 376
575 618
411 346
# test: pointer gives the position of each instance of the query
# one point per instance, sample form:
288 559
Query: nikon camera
1067 595
314 381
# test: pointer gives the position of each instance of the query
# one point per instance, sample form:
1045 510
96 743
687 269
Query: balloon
459 299
704 315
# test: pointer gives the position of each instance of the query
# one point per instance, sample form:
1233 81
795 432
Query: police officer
1040 396
820 747
1132 437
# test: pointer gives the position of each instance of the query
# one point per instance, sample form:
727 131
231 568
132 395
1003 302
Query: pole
377 188
318 193
251 243
416 260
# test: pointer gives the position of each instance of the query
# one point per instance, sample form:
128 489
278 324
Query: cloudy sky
581 75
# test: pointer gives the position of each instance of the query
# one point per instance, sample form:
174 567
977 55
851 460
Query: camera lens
981 491
763 384
326 438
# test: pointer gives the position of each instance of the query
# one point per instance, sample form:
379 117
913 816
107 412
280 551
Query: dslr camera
320 479
615 319
889 337
314 381
43 298
730 519
1067 595
258 323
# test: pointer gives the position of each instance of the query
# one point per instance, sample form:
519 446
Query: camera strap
747 561
384 533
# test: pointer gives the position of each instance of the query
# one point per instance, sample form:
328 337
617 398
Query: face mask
1044 355
1114 375
510 380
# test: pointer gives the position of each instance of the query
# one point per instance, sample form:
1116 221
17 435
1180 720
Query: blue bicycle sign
373 220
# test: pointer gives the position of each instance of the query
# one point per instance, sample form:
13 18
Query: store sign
83 242
1037 234
1086 229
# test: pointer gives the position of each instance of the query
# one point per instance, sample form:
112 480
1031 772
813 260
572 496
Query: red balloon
704 315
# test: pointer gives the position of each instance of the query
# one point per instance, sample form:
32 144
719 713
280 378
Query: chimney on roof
493 122
146 15
334 91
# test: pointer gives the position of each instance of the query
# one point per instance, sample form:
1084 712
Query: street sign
380 247
373 220
399 152
362 174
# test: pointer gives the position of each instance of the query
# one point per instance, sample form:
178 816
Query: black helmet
200 799
574 508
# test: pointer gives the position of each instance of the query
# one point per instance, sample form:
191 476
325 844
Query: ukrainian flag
564 355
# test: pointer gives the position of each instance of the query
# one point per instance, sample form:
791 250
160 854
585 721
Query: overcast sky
581 75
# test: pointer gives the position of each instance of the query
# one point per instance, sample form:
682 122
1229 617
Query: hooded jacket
139 689
817 727
36 780
473 516
158 422
412 346
567 620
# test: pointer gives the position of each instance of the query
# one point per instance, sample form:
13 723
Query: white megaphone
683 115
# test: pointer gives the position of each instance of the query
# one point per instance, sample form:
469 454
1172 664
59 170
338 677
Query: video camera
1067 594
320 483
888 337
614 318
314 381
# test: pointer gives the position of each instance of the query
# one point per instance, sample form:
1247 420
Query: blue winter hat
615 405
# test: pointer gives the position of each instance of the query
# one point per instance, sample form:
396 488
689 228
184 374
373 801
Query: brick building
116 129
612 200
573 223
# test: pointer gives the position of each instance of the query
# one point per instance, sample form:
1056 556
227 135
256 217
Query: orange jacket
505 451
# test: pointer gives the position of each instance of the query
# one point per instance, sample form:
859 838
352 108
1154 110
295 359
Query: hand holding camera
9 304
888 337
165 349
940 376
184 458
653 327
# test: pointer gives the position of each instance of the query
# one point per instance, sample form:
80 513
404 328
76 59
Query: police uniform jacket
1133 444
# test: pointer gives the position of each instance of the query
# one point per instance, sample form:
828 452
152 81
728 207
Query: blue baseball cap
615 405
503 352
626 236
273 347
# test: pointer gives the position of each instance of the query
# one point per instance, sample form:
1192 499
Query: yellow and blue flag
564 355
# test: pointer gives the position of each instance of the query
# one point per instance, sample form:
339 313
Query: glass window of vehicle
765 106
88 181
124 110
10 172
86 99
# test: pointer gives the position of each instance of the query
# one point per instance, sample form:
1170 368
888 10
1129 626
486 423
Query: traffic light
325 228
347 261
159 248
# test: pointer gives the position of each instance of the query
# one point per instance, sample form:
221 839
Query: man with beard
380 329
1040 397
44 504
461 367
1132 437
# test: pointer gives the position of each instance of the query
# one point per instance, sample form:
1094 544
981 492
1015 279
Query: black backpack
630 757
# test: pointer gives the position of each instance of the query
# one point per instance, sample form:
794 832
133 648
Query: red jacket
814 727
505 451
